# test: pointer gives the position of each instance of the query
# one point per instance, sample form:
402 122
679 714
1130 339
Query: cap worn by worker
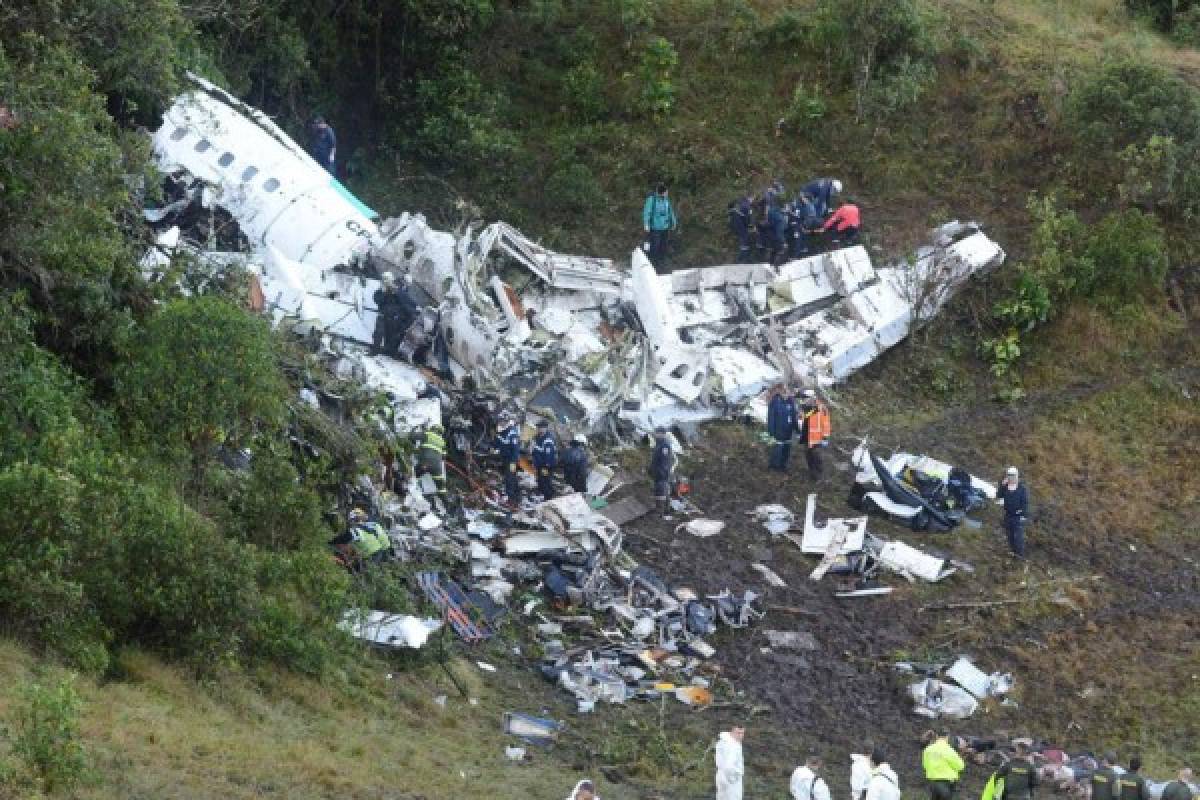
579 439
387 277
837 187
808 393
1012 472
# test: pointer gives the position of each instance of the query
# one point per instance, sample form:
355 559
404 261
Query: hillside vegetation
196 603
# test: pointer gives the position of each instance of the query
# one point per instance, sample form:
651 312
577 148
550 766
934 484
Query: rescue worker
1019 775
776 231
662 465
431 457
324 145
584 790
545 459
396 312
658 220
1179 789
508 444
781 425
730 765
363 542
843 226
1131 785
883 784
860 774
1013 495
942 765
741 222
822 191
804 222
575 464
814 430
1104 780
807 783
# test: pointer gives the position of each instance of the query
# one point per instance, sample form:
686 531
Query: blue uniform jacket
781 418
662 460
821 191
508 442
1016 501
545 451
575 465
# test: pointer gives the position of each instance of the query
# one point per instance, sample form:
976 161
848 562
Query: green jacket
369 539
941 762
1020 778
1104 784
658 214
434 441
994 789
1132 786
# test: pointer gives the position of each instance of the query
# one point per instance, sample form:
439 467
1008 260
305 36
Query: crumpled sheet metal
934 699
691 349
389 630
278 194
818 538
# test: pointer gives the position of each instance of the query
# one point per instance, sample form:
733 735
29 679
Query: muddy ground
1099 627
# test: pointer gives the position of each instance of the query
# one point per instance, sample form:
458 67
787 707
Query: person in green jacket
1131 785
1104 780
1019 775
658 220
942 765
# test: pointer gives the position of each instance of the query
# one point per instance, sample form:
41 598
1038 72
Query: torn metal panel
906 560
580 273
850 531
278 194
978 682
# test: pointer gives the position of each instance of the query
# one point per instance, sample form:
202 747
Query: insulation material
389 630
906 560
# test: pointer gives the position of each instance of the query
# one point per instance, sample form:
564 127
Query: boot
664 507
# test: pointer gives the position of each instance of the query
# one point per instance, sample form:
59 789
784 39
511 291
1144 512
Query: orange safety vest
818 425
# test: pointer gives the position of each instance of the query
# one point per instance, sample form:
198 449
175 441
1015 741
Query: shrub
46 735
583 92
807 106
1128 102
656 72
574 189
1186 31
885 49
201 371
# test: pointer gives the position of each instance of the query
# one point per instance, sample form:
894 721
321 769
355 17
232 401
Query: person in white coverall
730 767
584 790
807 784
883 785
860 775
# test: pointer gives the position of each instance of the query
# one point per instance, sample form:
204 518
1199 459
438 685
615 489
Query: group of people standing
769 227
544 454
807 421
772 228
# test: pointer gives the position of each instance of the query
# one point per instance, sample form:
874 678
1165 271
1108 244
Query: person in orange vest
842 226
814 430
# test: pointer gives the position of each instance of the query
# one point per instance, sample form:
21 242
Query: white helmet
1012 472
387 279
579 438
837 186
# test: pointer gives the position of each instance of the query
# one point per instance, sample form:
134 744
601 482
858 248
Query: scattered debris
531 729
775 518
514 753
920 491
389 630
937 698
702 527
769 575
791 640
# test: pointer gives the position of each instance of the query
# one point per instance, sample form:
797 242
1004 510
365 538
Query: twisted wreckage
570 336
579 340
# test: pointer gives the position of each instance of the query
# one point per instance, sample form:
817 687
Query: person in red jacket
842 226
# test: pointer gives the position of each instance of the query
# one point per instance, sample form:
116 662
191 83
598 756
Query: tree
201 371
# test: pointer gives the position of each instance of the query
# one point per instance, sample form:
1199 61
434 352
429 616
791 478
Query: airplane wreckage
592 344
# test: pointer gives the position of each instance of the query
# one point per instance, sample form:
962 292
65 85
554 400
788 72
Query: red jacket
845 217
